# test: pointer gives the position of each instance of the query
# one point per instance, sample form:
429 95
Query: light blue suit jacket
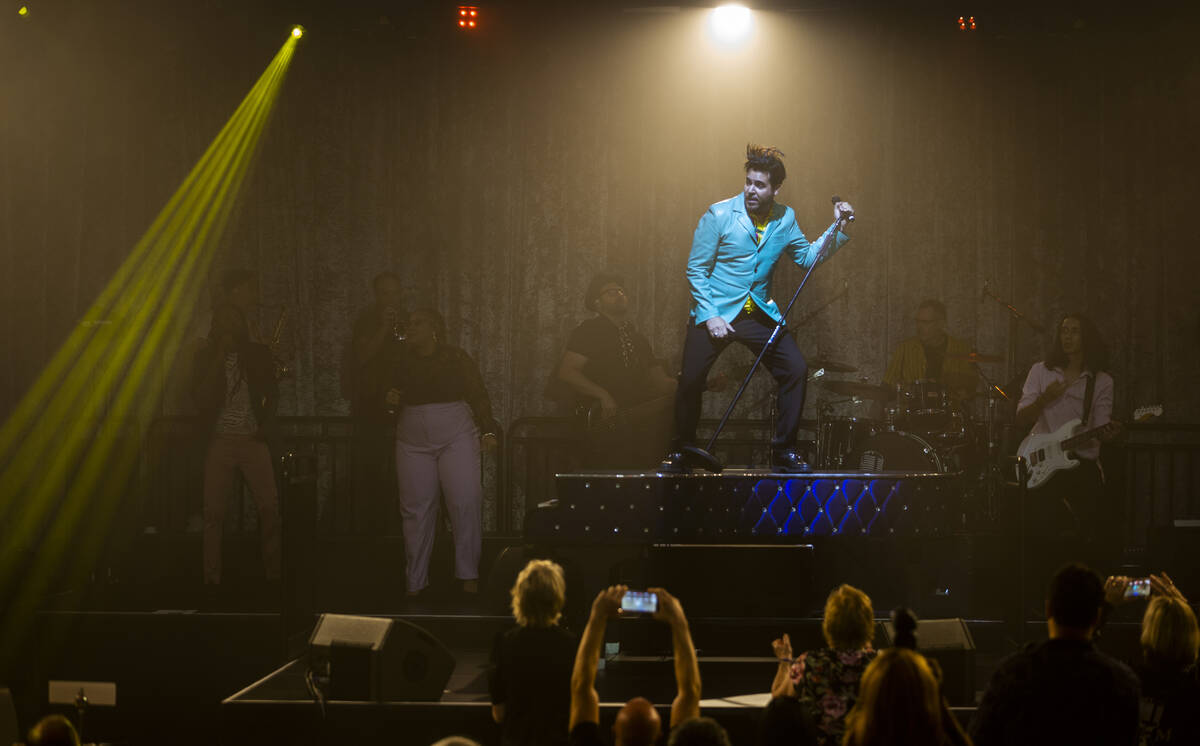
726 265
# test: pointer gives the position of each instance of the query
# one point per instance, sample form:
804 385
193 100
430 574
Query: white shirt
1069 406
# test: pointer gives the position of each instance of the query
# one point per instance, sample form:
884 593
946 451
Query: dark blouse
1169 705
448 375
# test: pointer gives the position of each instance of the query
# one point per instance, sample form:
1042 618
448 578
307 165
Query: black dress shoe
673 464
789 461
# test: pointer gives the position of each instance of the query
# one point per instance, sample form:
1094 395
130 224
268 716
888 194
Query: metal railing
1155 469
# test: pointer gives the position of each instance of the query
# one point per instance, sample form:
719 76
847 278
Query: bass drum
896 451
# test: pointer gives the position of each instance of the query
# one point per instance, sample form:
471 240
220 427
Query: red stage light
467 15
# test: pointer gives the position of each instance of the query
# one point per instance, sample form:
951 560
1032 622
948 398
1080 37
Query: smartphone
639 602
1138 588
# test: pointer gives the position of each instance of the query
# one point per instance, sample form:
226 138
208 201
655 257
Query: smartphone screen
639 602
1139 588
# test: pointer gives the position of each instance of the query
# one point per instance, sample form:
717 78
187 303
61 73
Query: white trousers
437 448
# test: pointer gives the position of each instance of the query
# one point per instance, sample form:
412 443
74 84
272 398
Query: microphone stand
1014 318
703 457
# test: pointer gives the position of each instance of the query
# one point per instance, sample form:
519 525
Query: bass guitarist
609 363
1071 383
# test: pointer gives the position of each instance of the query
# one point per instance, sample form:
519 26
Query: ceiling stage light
468 17
730 24
297 31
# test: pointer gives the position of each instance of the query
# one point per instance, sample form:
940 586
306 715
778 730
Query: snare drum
837 437
895 451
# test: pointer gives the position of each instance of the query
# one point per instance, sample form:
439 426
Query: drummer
933 355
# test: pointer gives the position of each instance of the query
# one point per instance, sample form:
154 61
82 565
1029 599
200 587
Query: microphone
835 200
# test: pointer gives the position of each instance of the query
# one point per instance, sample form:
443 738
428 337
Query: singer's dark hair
904 628
768 160
1095 350
1075 596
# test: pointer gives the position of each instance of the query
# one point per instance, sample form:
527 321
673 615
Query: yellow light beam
150 294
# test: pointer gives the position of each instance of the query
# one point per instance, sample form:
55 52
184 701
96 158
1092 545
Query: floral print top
826 682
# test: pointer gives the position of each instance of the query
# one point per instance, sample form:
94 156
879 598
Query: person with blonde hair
898 703
1168 673
530 674
826 681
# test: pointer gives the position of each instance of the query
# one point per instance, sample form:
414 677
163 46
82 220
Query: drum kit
922 428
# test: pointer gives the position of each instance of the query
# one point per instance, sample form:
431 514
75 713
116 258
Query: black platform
747 506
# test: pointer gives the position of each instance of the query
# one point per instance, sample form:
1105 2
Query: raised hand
608 601
1162 585
669 608
1114 589
783 648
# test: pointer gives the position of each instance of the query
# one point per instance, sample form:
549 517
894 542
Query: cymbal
857 388
831 366
977 357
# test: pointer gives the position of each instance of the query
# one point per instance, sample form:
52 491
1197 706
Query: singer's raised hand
843 210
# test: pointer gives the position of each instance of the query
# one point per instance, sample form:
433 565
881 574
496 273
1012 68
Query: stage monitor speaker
380 659
949 642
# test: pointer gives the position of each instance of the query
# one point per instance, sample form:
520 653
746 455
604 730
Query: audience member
699 732
530 675
1062 690
638 723
898 703
826 681
53 730
904 635
785 722
1168 671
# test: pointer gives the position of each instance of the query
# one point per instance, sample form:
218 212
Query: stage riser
952 576
747 507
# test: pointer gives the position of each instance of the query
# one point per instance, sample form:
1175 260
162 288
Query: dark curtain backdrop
495 174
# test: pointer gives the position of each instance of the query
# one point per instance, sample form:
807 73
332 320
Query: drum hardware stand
1015 317
703 457
992 477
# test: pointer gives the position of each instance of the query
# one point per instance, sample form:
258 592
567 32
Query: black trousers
783 360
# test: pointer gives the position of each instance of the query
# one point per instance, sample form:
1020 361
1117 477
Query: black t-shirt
586 734
618 359
1059 692
530 674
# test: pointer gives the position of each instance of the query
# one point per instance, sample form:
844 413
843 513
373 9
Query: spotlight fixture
297 31
23 11
468 17
730 24
966 23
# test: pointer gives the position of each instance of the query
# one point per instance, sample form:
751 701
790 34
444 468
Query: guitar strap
1087 398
